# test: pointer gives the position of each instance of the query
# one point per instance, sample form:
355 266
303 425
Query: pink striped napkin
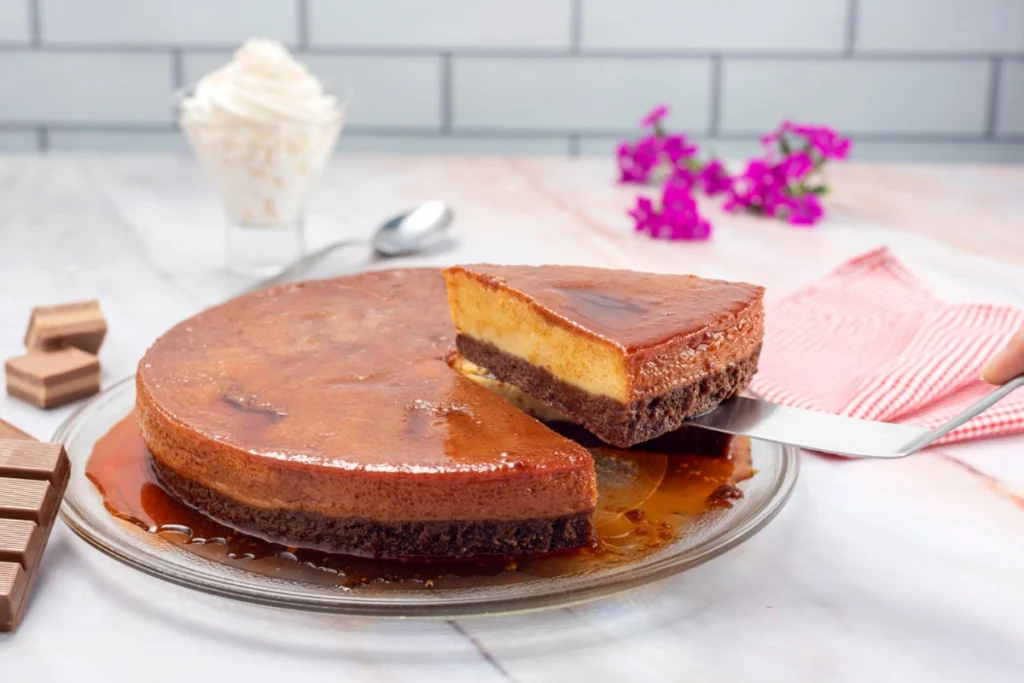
870 341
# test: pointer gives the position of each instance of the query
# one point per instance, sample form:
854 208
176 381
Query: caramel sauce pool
647 496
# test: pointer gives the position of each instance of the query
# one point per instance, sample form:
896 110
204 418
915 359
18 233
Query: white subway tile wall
909 79
15 22
576 93
441 24
790 25
941 26
18 141
160 22
1010 117
92 87
115 141
911 98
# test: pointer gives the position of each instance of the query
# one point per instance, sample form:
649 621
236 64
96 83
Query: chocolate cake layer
370 538
617 423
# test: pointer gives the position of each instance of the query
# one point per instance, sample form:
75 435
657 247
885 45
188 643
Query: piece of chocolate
27 499
9 431
33 478
80 324
20 541
31 459
14 585
52 378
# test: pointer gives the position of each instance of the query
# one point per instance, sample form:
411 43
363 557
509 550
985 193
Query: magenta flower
796 166
631 169
644 214
677 192
830 144
714 179
679 217
638 161
805 210
790 137
760 188
654 117
679 149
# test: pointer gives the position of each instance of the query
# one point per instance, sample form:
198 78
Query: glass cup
263 173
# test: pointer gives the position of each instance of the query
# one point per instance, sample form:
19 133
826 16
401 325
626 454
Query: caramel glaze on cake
323 415
627 355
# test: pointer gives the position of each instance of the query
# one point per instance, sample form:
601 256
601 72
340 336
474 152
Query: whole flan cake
324 415
627 355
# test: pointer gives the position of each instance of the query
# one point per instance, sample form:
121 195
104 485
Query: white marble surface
876 571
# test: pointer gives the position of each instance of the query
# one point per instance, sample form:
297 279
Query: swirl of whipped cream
262 84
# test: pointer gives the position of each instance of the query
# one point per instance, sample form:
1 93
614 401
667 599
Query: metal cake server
816 431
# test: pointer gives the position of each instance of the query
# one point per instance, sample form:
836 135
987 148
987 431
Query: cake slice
627 355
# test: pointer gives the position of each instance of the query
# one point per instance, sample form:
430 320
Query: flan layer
323 414
628 355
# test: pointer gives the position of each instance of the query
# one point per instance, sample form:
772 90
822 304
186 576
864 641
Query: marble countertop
909 570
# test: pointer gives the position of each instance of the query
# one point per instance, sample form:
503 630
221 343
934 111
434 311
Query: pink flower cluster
783 183
656 153
678 217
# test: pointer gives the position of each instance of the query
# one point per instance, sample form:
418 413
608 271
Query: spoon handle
299 266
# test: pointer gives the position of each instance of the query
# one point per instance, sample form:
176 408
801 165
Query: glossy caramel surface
633 310
337 376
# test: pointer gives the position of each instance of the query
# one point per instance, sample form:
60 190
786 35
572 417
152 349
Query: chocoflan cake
323 415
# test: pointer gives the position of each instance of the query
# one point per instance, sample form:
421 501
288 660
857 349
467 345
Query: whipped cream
263 128
263 83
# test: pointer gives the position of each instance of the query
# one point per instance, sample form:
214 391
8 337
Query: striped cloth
870 341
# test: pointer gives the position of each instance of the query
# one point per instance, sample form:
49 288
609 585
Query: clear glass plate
713 534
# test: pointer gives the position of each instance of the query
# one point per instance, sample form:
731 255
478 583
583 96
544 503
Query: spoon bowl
405 234
410 232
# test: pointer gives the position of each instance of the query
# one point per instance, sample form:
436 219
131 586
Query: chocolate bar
52 378
33 478
80 324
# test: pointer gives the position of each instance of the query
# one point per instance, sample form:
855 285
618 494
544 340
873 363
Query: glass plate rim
441 604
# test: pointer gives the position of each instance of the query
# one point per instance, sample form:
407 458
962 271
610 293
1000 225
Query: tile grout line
575 26
507 133
35 23
852 18
70 47
446 93
177 69
715 113
994 83
302 24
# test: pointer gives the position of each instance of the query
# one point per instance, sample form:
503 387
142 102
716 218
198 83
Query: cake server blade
829 433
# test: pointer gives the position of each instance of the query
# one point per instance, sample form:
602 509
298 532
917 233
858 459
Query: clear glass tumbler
263 173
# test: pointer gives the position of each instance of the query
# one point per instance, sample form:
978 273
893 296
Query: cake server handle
828 433
300 266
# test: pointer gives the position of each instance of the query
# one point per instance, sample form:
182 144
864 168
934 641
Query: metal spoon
406 233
